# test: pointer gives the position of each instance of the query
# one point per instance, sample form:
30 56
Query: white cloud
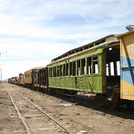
34 32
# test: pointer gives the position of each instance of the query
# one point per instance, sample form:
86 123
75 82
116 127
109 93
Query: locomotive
104 67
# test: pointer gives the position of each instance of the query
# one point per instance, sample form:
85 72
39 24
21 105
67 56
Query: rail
53 120
18 112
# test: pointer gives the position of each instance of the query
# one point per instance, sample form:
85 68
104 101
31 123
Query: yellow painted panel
28 80
127 91
127 45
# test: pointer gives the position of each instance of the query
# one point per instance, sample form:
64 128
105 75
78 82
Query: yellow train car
127 65
29 77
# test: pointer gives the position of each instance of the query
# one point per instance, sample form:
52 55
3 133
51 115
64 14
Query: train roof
125 33
34 68
105 40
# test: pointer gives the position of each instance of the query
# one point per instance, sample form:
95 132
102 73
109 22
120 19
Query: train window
54 72
78 67
118 67
91 45
44 73
83 66
64 70
81 49
95 64
77 50
73 68
103 41
96 68
107 70
97 43
60 70
86 47
73 52
110 49
50 72
40 74
89 66
112 68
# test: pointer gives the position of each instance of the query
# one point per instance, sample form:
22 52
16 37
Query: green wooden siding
62 82
84 82
88 83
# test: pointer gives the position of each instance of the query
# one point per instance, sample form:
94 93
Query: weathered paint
43 77
28 80
127 66
83 82
35 77
79 56
87 83
103 69
29 75
21 79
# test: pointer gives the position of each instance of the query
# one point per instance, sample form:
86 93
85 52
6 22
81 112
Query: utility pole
1 64
1 68
1 71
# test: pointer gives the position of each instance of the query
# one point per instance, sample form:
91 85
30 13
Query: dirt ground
77 114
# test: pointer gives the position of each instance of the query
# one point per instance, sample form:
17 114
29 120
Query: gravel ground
77 114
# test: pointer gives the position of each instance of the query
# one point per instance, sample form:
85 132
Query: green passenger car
84 68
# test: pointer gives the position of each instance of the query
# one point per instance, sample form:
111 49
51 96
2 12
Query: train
104 67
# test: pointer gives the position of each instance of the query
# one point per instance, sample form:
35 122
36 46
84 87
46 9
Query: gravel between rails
81 113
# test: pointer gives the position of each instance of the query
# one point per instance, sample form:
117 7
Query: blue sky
33 32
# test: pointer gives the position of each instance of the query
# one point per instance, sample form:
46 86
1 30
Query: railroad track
33 117
86 100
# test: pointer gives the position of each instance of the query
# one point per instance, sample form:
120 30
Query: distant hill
5 80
